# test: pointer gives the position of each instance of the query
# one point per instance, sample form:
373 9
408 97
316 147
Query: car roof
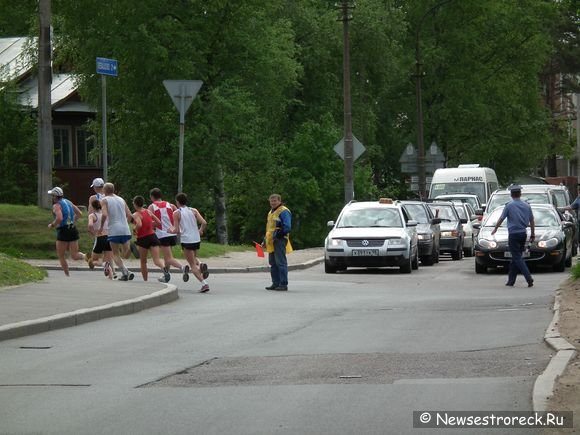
369 204
457 195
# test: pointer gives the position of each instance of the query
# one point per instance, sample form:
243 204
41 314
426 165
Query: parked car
451 228
428 230
552 245
532 194
466 212
371 234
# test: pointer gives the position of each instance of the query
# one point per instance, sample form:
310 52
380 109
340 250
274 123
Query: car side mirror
463 221
479 212
330 224
568 224
411 223
477 225
436 221
483 207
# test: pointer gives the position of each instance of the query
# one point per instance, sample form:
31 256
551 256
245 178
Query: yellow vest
271 225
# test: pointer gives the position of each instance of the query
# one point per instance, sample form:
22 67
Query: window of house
62 147
85 145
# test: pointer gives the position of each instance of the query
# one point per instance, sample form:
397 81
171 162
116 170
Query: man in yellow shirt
278 244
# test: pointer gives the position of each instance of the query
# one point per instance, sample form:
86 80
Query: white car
371 234
468 218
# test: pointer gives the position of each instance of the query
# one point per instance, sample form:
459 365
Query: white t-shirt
117 219
188 226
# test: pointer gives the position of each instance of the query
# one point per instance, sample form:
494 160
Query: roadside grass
575 272
14 272
26 235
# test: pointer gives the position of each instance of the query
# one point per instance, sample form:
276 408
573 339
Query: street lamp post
419 102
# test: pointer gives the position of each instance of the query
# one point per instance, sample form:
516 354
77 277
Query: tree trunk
221 218
45 137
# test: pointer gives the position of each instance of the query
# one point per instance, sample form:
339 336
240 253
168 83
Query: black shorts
101 245
168 241
68 233
191 246
147 241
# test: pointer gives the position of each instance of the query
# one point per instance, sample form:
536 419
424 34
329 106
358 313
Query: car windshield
470 199
542 218
503 198
371 217
448 188
444 212
417 213
461 212
560 196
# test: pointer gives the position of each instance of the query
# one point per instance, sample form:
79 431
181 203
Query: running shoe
134 250
107 268
166 274
204 288
204 270
89 260
186 273
128 277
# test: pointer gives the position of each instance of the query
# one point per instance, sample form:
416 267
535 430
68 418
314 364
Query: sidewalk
60 302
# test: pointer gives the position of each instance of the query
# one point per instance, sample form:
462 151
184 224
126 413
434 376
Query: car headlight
334 242
396 242
550 243
488 244
453 233
424 236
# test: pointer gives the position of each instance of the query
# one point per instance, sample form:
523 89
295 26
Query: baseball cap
98 182
56 191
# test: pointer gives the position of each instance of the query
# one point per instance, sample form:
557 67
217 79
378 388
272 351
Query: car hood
542 233
424 228
366 233
448 226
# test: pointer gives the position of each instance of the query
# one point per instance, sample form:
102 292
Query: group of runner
156 227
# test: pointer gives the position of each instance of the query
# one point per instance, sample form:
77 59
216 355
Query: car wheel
568 262
561 266
329 268
406 268
457 255
415 262
480 268
574 249
436 256
427 260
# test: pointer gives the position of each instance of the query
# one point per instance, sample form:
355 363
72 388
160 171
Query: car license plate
508 254
365 252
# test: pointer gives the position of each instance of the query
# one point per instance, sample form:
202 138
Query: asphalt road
355 352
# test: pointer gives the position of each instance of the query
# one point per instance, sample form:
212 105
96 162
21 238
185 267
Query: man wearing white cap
97 186
67 235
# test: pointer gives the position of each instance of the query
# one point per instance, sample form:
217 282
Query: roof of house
15 61
16 64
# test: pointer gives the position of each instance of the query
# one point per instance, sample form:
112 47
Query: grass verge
26 235
14 272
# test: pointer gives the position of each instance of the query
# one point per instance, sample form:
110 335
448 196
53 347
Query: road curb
85 315
265 268
544 385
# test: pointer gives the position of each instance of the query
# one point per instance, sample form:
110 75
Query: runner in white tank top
186 222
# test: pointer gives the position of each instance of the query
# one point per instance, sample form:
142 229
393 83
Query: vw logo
365 243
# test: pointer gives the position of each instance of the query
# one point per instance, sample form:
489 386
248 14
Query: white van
464 179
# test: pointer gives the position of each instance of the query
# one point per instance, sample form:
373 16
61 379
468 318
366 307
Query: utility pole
578 141
348 145
45 137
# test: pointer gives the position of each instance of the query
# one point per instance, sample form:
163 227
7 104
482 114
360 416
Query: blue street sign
107 67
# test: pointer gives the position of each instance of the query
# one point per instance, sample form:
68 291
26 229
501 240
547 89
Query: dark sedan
428 230
451 228
552 245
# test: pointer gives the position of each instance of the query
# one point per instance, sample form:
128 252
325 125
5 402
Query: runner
117 215
67 235
164 210
101 247
97 186
187 220
147 241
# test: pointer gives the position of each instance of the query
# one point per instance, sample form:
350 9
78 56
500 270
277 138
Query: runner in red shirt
145 223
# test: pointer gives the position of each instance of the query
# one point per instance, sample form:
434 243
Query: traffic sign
357 148
185 90
107 67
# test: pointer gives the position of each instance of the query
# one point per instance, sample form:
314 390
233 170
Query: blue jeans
517 243
278 263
